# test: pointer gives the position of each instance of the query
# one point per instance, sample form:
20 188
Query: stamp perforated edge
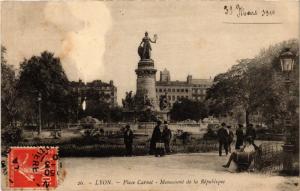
35 188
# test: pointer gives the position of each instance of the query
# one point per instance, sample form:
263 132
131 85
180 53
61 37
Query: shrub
210 134
11 135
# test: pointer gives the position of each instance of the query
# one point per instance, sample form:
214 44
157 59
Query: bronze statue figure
128 102
145 49
163 102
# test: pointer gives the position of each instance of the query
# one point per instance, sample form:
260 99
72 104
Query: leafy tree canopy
188 109
255 84
44 76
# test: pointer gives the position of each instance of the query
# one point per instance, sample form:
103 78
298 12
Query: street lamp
40 113
287 61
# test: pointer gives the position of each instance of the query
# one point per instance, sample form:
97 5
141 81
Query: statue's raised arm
145 49
155 38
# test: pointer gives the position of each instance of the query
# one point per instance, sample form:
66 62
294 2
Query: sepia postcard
150 95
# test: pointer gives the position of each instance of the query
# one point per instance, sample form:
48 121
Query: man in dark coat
167 135
239 137
128 139
156 136
223 139
230 137
250 132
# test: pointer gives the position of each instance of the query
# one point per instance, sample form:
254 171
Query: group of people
226 137
160 139
245 147
159 143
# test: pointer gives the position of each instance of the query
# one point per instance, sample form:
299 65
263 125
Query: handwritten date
241 11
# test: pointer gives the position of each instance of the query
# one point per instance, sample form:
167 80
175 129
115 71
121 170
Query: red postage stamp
33 167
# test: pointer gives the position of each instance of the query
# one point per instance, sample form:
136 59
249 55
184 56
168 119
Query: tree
44 75
188 109
116 114
254 85
9 106
97 109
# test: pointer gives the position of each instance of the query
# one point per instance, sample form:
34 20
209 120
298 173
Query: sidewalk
204 168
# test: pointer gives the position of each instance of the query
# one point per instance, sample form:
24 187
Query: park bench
267 156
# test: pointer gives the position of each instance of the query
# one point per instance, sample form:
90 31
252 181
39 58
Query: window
169 97
178 90
182 90
173 98
160 90
186 90
173 90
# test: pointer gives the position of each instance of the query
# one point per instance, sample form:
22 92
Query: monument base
163 115
145 83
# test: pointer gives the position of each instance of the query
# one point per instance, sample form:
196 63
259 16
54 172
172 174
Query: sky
99 39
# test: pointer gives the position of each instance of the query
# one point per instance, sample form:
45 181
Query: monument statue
145 49
128 102
163 102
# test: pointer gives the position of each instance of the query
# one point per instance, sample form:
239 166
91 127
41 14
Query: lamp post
287 61
40 113
78 107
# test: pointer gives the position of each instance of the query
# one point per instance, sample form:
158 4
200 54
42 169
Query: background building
96 89
194 89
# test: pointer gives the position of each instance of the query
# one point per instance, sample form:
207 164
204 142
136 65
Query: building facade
96 89
194 89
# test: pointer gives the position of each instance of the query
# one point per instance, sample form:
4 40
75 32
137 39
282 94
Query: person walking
223 139
239 137
230 137
250 132
128 140
167 135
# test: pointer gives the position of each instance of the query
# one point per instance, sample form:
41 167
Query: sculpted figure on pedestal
145 49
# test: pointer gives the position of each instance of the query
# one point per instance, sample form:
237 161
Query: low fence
138 150
269 158
141 124
144 127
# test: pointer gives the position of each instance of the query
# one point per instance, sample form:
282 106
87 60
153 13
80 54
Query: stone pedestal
164 115
146 78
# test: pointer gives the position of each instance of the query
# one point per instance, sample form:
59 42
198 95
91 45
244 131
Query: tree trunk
247 117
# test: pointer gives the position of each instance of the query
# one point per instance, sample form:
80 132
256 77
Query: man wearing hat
230 137
239 137
223 139
128 139
167 135
250 132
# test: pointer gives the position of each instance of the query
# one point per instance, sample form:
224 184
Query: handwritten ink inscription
241 11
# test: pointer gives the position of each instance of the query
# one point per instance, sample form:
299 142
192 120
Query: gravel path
201 171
